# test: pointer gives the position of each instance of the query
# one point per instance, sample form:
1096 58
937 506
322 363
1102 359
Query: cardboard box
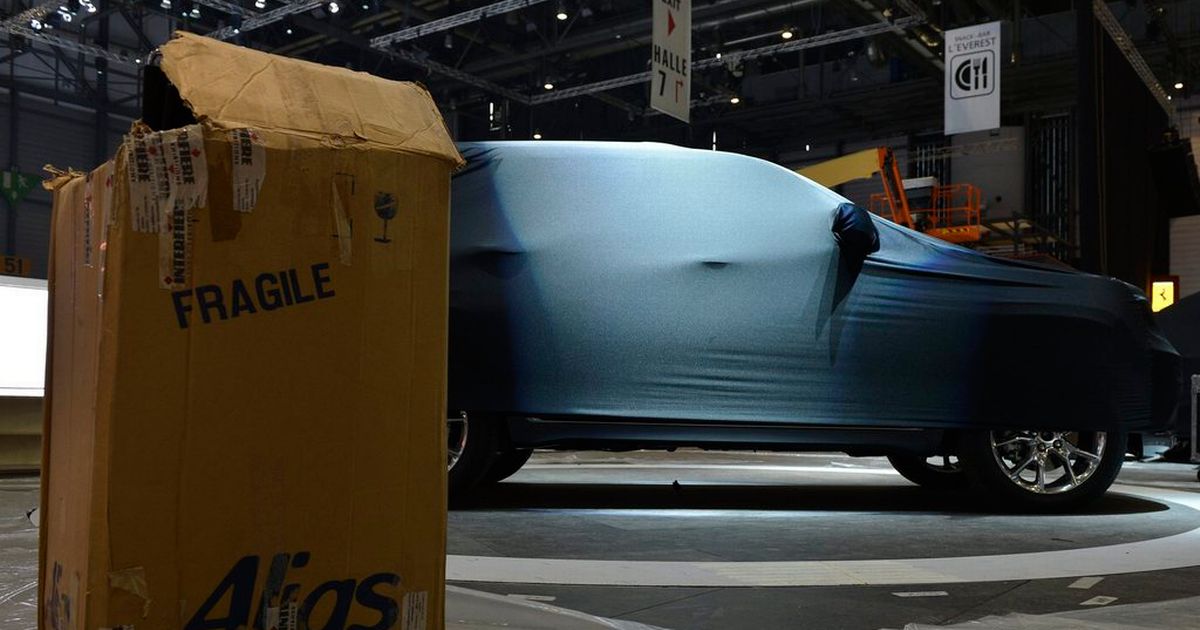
245 399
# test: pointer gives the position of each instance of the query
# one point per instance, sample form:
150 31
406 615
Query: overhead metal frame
35 12
453 21
1125 44
62 43
825 39
259 20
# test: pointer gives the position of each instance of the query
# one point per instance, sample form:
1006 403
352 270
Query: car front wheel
507 464
1043 470
470 451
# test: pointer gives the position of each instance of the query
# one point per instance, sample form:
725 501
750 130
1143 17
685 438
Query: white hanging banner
671 58
973 78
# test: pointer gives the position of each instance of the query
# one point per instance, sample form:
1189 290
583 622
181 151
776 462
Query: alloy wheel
456 438
1048 462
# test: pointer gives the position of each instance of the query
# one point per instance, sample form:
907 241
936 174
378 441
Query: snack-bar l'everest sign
671 58
973 78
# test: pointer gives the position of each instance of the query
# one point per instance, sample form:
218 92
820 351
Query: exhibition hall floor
694 540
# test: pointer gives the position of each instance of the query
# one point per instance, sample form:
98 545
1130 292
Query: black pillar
1089 159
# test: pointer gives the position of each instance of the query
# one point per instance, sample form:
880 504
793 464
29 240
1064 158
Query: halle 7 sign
973 78
671 60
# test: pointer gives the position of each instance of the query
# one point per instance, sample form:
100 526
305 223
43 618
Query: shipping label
249 168
416 610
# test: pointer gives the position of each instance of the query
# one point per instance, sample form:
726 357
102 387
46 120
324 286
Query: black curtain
1123 224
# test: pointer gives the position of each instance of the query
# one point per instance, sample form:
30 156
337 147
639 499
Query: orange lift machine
953 210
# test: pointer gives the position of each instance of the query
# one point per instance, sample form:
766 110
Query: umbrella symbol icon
385 208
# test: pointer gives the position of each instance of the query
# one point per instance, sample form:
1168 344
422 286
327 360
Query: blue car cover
646 281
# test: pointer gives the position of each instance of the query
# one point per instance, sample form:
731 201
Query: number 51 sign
14 266
671 59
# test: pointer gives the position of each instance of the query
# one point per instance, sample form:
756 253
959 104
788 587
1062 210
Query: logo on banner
973 75
972 78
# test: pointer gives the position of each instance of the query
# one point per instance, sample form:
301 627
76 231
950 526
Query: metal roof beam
259 20
69 45
1129 49
453 21
824 39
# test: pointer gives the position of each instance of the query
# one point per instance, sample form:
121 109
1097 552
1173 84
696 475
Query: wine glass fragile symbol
385 208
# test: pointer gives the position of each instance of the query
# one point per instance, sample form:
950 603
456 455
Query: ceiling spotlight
1179 85
288 31
334 7
65 16
366 7
91 7
808 147
548 85
561 15
537 135
787 33
718 55
260 4
735 100
36 24
166 4
195 12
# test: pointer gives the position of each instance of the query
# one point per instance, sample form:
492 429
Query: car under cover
646 281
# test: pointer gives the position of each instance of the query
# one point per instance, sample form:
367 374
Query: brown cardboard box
245 406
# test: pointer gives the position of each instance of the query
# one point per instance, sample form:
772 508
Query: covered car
620 295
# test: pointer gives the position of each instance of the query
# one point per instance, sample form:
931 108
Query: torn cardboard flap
230 86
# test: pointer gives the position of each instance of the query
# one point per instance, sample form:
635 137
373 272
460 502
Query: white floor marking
1099 600
1085 583
1170 552
533 598
921 594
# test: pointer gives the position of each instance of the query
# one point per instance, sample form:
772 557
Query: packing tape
132 580
249 168
341 218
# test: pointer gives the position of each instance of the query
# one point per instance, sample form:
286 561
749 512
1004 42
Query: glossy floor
751 540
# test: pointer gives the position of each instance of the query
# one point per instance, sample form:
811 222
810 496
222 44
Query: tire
506 464
1005 465
942 473
471 448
